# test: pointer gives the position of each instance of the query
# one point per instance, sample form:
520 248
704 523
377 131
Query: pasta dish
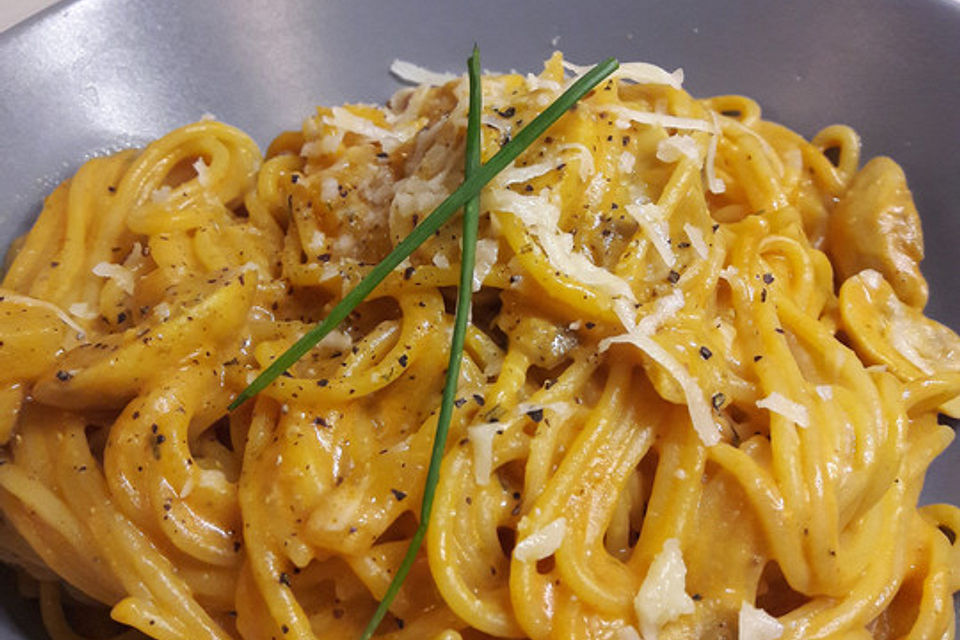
698 394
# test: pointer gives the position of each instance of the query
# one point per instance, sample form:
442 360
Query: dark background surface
93 76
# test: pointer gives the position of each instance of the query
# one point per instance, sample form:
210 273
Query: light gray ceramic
90 76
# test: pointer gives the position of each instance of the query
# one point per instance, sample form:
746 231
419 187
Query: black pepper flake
63 376
54 264
160 439
673 277
284 579
121 317
696 597
408 272
403 360
479 399
459 402
338 613
154 428
779 330
294 178
715 227
322 382
590 325
757 358
400 623
112 189
509 112
324 257
763 295
237 546
399 495
768 278
320 422
535 414
284 628
717 400
705 353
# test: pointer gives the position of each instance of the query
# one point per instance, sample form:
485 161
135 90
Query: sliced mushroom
875 226
886 331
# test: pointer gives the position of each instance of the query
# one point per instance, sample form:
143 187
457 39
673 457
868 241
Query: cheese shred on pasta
698 389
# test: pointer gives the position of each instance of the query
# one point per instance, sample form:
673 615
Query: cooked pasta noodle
698 398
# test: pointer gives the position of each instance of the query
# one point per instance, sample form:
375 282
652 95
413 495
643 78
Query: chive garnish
471 215
470 187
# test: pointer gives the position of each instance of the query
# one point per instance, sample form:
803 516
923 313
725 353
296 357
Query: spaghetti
698 398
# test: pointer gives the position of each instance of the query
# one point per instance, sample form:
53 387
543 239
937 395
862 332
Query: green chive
470 187
471 215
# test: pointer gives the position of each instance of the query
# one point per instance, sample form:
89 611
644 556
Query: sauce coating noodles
699 394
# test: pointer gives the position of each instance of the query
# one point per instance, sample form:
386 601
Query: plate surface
91 76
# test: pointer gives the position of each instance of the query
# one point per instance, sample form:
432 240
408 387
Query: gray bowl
90 76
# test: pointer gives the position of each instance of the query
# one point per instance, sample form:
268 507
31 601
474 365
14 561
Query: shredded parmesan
343 118
203 172
825 391
487 249
714 183
628 632
440 261
672 148
481 439
700 414
638 72
584 156
43 304
627 161
82 310
122 276
696 240
415 74
628 115
757 624
779 404
161 195
162 310
653 221
542 543
662 597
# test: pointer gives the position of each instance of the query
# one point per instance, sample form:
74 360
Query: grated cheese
714 183
638 72
542 543
779 404
662 597
122 276
627 161
696 240
584 156
672 148
517 175
700 414
161 195
415 74
481 439
653 221
651 118
440 261
203 172
757 624
162 310
82 310
542 217
825 391
49 306
344 119
628 632
486 257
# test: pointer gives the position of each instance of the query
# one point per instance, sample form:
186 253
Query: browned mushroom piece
875 226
